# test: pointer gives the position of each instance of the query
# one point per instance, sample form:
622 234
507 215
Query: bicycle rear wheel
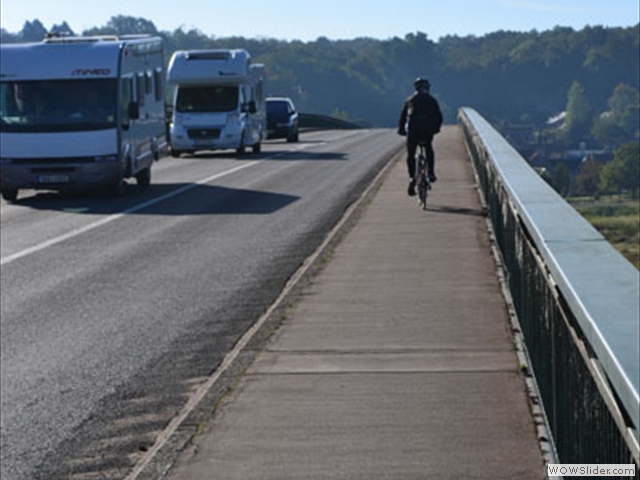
423 189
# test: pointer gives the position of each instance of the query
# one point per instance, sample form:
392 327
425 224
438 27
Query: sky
307 20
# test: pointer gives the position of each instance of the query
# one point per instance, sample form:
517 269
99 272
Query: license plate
202 143
53 179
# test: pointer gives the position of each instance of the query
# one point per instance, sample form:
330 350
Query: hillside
510 77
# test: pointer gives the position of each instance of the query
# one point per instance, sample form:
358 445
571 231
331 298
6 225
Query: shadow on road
287 156
164 199
456 210
272 155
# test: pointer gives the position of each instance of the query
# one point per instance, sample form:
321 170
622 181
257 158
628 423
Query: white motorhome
217 101
81 112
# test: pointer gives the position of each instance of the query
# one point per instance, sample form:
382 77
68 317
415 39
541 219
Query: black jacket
423 114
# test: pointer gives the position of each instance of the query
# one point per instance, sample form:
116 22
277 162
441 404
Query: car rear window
277 107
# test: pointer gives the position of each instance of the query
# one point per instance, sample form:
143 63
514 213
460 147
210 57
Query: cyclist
420 120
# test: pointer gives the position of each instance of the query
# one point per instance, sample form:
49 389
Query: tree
131 25
505 76
559 177
6 37
191 40
33 31
579 113
623 173
63 29
606 131
124 25
588 178
625 108
621 123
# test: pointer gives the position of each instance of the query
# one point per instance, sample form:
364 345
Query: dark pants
412 145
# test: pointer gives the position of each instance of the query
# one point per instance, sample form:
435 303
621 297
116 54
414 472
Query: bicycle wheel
423 188
423 182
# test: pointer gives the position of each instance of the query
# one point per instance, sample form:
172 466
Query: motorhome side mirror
134 110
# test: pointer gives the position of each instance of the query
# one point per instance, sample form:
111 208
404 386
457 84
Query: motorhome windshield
207 99
57 105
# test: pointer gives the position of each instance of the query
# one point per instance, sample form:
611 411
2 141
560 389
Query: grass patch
618 220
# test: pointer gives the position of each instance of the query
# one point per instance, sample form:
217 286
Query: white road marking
79 231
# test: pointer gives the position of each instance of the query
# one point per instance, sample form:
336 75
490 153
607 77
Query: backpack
424 115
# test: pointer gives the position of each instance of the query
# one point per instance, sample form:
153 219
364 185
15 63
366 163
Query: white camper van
217 101
81 112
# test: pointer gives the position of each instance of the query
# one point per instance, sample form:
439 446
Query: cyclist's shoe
432 177
412 187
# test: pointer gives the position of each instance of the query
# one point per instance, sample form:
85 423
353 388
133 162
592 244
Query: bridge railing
577 303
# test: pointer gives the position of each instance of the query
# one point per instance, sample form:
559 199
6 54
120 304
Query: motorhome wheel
143 177
10 194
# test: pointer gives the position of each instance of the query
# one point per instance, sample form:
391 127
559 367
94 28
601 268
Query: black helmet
421 83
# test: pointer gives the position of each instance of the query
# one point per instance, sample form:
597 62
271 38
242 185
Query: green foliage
6 37
122 25
606 208
579 114
506 76
625 108
606 131
32 32
621 123
588 178
623 174
63 29
618 221
559 177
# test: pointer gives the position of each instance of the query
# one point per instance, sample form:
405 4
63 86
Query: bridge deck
397 362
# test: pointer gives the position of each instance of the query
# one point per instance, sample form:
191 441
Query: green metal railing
577 303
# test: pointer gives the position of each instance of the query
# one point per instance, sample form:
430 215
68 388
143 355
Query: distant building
583 152
557 121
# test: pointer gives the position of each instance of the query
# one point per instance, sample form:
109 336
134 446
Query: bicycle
422 184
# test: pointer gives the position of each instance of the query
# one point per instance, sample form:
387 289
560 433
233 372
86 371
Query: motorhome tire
116 189
143 177
240 149
175 153
10 194
292 137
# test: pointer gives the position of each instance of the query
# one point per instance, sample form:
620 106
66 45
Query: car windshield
207 99
57 105
277 108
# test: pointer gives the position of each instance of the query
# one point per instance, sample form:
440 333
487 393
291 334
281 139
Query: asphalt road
113 310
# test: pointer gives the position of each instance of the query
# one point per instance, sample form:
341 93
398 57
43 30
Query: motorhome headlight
232 118
105 158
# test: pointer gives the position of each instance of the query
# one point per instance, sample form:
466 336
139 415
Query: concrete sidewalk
397 362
